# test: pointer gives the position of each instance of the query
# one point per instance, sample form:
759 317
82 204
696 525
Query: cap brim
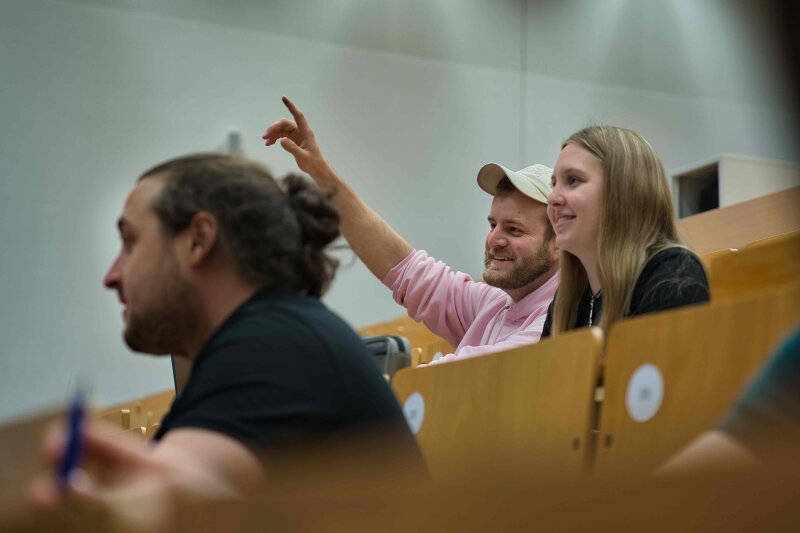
490 175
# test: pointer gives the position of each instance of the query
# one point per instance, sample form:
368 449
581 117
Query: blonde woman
612 213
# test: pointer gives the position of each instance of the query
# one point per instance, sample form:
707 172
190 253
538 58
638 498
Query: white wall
696 78
96 91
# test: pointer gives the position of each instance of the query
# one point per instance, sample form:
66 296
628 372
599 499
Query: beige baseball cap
532 181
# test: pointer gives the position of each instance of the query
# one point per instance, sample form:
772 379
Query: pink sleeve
446 301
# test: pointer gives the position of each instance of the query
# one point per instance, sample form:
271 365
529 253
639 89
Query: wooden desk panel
530 406
706 355
737 225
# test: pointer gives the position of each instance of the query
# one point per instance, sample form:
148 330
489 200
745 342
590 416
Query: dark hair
274 232
505 186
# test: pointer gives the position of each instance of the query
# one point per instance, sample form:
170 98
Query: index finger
298 115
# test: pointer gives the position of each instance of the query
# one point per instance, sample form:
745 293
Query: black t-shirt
280 369
766 420
673 277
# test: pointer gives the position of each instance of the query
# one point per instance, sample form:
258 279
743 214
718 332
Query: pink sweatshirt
475 317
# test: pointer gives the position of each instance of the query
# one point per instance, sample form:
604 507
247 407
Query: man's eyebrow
514 222
122 224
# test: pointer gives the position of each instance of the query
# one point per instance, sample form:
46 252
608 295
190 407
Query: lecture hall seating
770 262
141 416
435 349
424 343
718 346
732 502
533 414
709 258
528 408
705 355
737 225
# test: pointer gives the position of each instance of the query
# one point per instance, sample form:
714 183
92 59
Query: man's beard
169 323
528 270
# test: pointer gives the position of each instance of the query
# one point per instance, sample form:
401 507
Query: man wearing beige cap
521 258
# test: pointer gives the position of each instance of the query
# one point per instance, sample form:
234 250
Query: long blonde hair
637 221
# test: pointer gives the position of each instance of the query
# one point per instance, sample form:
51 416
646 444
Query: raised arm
371 237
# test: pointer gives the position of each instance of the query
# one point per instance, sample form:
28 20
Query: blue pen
73 446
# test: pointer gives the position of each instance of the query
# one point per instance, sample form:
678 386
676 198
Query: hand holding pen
123 464
73 445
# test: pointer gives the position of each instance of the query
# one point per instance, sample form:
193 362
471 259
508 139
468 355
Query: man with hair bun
520 257
221 263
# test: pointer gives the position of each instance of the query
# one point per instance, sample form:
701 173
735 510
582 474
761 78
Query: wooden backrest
705 356
395 326
709 258
775 239
740 502
711 502
770 262
417 333
527 408
440 347
736 225
139 413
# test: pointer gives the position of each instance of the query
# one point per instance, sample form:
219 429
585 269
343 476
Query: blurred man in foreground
221 263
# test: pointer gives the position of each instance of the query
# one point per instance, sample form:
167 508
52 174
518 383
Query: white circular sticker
645 392
414 411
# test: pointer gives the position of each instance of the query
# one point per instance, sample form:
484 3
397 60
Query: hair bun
318 218
319 226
